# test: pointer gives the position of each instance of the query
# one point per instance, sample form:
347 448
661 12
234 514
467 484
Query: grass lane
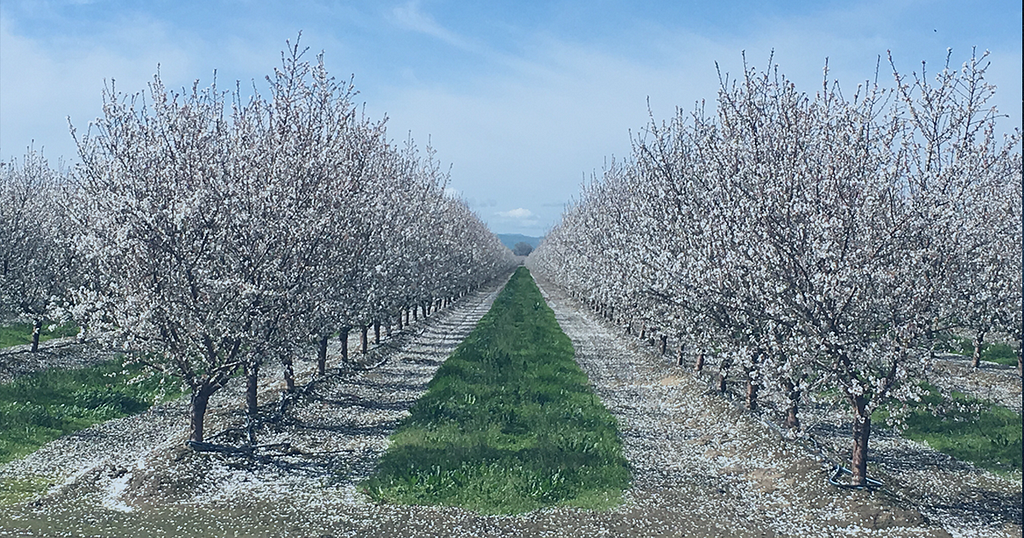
42 406
509 423
21 333
967 428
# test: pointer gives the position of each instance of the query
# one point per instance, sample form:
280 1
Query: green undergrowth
969 429
997 352
45 405
21 333
509 423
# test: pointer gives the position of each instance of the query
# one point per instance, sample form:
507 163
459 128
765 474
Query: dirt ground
702 466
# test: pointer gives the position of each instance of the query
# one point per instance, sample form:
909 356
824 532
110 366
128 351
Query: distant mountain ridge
510 240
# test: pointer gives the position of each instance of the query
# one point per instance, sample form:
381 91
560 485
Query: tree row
809 243
207 233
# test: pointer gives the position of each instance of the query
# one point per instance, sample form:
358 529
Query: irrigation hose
839 470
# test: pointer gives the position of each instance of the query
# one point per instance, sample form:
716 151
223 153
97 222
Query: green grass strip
997 352
509 423
21 333
967 428
40 407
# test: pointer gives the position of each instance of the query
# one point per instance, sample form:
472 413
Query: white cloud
45 81
518 213
521 121
409 16
531 128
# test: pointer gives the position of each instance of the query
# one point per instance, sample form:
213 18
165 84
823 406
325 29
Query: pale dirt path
64 353
132 476
677 430
722 472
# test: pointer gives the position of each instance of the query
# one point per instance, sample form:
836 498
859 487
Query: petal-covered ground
702 466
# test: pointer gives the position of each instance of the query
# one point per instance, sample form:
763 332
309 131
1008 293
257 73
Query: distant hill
510 240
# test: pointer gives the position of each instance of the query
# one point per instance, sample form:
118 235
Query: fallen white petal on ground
702 467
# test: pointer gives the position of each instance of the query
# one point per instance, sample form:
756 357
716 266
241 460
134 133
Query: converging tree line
804 243
207 233
801 244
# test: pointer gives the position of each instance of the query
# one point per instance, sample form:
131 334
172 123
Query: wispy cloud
526 99
410 17
517 213
518 220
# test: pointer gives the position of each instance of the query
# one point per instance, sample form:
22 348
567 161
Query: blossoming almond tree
158 212
35 264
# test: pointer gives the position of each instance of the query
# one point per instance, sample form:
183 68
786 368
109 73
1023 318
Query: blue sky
523 99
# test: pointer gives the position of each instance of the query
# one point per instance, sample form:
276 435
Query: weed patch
966 428
16 490
509 423
45 405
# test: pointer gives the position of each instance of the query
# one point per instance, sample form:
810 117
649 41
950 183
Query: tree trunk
289 372
976 357
200 401
752 386
643 330
362 340
252 374
721 382
344 344
792 420
321 356
400 326
664 344
387 329
415 317
252 404
699 366
406 316
861 433
751 394
679 355
37 327
376 333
